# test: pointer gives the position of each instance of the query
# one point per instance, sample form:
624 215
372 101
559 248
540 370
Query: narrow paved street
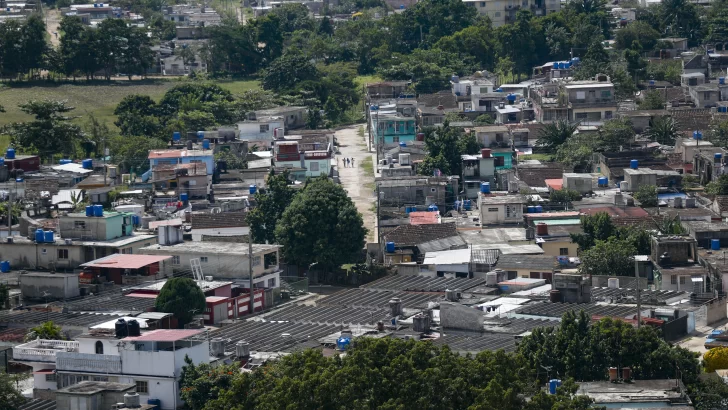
359 180
53 22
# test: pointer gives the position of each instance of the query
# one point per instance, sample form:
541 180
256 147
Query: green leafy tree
444 150
10 397
564 195
652 100
554 134
614 134
484 119
597 227
611 257
203 383
50 132
181 297
288 71
321 225
663 130
46 330
718 186
717 22
637 31
647 196
264 218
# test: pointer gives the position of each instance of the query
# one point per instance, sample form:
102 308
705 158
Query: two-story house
549 103
303 161
261 132
591 101
182 156
390 128
477 169
150 360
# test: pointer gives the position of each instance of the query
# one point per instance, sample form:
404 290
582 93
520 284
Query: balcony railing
42 350
86 362
592 103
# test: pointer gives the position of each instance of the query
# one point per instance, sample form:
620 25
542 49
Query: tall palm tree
555 134
663 130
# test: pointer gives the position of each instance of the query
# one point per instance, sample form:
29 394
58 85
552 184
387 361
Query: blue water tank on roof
5 266
89 210
48 236
39 237
553 385
390 247
539 209
634 164
98 210
200 134
176 136
715 244
205 144
485 187
10 154
253 189
432 208
183 197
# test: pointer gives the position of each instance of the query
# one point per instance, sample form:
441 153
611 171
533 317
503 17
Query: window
256 261
606 94
497 13
580 116
63 254
580 95
79 224
682 280
272 282
126 251
44 251
147 243
482 4
175 260
313 167
509 212
395 138
483 90
673 280
706 95
607 115
264 127
99 347
563 251
142 386
203 259
51 377
492 209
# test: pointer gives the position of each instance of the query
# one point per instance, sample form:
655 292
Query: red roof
423 218
613 210
555 184
126 261
164 335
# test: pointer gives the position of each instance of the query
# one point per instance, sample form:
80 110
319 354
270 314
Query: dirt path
358 180
53 22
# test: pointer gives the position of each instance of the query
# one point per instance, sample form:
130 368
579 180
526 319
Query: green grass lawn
98 98
538 157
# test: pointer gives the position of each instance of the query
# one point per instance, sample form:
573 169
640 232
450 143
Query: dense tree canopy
50 132
264 218
321 225
182 297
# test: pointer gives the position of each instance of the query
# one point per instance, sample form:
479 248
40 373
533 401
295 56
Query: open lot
99 97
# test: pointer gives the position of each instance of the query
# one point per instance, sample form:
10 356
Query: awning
45 371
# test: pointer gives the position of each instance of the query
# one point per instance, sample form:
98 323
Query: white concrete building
501 209
152 361
225 260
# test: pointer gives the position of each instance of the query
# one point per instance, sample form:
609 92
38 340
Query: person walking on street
352 163
348 162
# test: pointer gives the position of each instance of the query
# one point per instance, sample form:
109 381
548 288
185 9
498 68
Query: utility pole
250 267
106 153
639 304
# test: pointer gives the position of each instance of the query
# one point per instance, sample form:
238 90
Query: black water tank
122 329
134 329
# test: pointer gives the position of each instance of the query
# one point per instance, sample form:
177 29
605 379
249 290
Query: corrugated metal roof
67 195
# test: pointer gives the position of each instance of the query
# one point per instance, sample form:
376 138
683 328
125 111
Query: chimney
542 229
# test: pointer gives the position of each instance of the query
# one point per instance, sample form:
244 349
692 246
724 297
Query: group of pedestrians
348 162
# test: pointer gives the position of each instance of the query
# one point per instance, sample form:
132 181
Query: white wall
147 362
88 345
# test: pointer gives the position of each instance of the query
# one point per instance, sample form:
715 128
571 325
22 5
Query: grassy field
98 98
